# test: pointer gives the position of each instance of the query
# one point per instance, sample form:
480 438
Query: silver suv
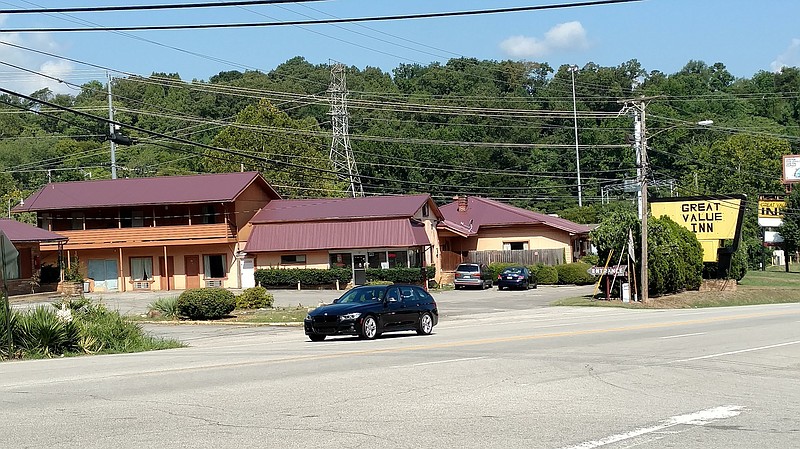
472 275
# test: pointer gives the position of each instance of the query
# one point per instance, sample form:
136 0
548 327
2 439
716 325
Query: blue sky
746 35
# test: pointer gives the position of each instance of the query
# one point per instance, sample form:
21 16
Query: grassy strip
256 316
762 287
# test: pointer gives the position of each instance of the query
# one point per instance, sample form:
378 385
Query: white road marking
684 335
695 419
438 362
711 356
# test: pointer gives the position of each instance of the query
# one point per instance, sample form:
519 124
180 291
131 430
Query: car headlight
308 318
349 316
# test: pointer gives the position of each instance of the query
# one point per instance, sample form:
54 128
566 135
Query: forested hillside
496 129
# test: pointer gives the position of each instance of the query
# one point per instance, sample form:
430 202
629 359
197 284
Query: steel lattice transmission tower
341 154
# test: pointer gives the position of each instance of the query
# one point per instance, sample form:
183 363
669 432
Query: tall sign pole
572 69
111 131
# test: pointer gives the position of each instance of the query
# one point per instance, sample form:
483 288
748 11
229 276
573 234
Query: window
142 268
515 246
293 259
209 214
137 219
214 266
426 210
376 259
398 259
76 221
341 260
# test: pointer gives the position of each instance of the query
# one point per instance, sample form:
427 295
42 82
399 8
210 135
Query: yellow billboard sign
711 219
771 208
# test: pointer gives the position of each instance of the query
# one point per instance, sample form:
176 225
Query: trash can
626 292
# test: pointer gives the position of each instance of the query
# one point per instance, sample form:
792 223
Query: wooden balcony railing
150 236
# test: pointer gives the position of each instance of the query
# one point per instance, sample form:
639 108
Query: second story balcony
147 236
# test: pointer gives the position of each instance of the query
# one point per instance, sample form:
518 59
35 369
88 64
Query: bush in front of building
675 258
497 267
286 277
255 298
544 274
399 275
206 303
575 273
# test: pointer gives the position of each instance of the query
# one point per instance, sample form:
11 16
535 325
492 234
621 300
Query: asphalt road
530 377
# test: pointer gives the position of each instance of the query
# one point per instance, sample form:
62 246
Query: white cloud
789 58
562 37
25 82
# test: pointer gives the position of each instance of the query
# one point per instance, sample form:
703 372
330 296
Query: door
390 318
360 269
167 282
192 268
105 274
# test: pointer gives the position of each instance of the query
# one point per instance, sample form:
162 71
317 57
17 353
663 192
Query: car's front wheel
369 328
425 326
316 337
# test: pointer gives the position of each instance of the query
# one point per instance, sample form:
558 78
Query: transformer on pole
341 154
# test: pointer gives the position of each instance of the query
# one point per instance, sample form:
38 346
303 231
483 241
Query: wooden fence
522 257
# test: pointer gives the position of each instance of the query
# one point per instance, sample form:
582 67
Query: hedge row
570 273
206 303
273 277
399 275
276 277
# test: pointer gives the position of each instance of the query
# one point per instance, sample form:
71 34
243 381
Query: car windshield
513 270
362 295
468 268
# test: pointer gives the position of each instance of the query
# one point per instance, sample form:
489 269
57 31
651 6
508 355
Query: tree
290 153
790 230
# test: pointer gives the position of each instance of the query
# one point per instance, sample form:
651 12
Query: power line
150 7
327 21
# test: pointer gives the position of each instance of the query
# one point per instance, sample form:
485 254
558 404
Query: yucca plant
41 331
5 351
167 307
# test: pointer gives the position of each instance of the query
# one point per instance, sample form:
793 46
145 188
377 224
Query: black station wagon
371 310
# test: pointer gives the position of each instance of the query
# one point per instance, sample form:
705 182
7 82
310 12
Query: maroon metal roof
344 208
391 233
23 232
486 212
217 187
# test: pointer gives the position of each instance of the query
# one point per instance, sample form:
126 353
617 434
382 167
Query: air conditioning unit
141 285
214 283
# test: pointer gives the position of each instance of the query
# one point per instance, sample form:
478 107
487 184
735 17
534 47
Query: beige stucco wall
314 259
537 237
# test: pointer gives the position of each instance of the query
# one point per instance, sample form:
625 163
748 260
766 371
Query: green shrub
254 298
575 274
380 282
675 257
166 307
544 274
399 275
206 303
108 331
497 267
41 331
280 277
591 259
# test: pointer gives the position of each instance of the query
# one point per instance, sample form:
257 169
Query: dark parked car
516 277
371 310
472 275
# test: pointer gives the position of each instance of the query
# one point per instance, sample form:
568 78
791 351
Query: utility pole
111 130
572 69
638 106
341 154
